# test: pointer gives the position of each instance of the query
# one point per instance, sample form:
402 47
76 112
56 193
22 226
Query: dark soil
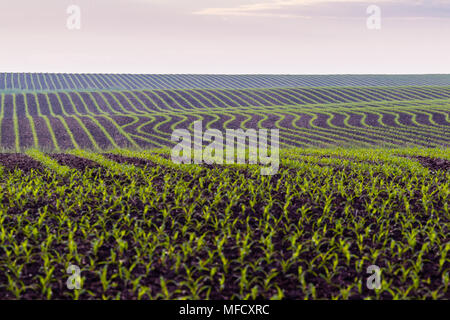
13 161
434 163
62 136
74 161
128 160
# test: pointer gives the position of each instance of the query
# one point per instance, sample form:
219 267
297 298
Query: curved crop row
306 117
46 81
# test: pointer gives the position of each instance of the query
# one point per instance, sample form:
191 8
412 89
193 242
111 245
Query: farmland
48 81
86 179
96 119
139 226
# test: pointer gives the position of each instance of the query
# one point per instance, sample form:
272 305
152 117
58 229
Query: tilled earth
13 161
74 161
434 164
129 160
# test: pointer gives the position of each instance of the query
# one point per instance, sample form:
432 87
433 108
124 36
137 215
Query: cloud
265 8
405 9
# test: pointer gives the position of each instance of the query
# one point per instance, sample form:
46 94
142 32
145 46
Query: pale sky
225 36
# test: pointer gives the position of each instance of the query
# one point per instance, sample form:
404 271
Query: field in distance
59 112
